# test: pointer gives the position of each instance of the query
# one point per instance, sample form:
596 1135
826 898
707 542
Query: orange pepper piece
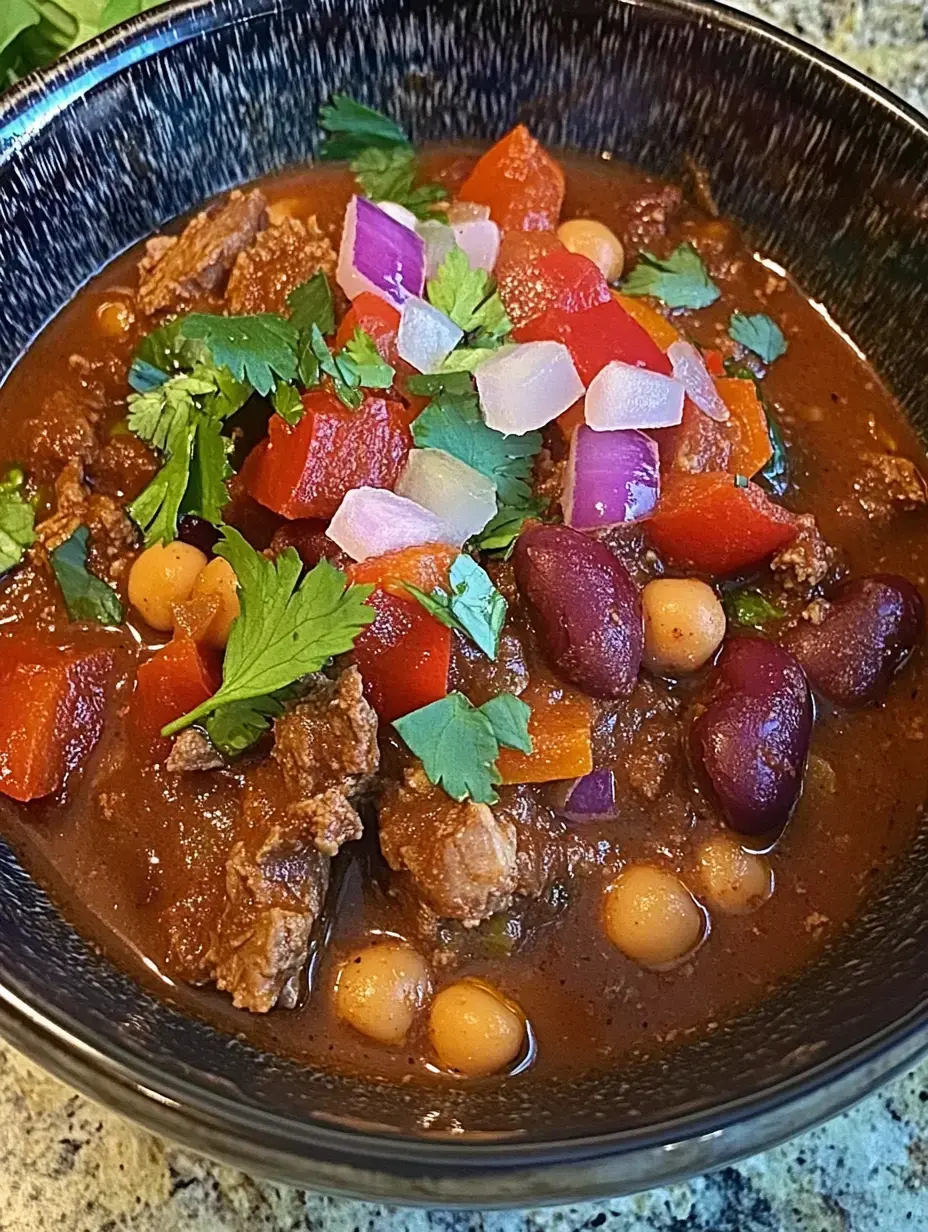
751 449
572 418
560 730
519 181
424 567
194 616
650 320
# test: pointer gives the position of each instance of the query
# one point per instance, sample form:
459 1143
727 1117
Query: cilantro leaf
679 281
428 384
357 364
389 175
86 596
17 520
458 743
206 494
474 607
236 726
509 716
311 304
164 353
254 348
351 127
759 334
360 352
288 404
465 359
453 422
469 297
749 607
501 532
285 630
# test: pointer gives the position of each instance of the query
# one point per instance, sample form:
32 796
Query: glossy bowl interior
827 174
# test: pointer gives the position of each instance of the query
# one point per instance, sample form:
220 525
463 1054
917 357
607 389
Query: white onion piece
379 254
526 386
478 238
625 396
458 494
426 336
694 376
466 211
439 240
400 213
372 521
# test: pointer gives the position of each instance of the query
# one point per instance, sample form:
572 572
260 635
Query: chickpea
163 575
380 989
651 916
734 881
218 578
594 240
683 625
115 318
473 1030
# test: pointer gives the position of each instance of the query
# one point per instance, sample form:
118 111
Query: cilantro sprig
287 628
470 298
86 596
17 520
759 333
474 607
257 349
679 281
236 726
501 532
351 127
458 743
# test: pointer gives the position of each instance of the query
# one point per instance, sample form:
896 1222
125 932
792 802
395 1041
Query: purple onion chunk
612 478
591 798
379 254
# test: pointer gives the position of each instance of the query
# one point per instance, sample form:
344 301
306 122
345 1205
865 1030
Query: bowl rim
70 1049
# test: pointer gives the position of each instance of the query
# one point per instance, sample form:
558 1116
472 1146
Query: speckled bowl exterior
829 174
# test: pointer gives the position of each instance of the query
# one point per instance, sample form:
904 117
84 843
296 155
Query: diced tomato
657 326
403 656
424 567
51 712
714 364
712 525
559 727
176 679
519 181
595 337
696 445
751 449
304 471
557 279
377 318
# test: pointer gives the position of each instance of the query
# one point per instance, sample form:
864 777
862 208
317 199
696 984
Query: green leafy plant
86 596
474 607
679 281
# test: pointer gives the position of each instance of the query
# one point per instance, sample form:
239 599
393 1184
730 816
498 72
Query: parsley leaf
351 127
475 607
288 404
17 520
469 297
285 630
357 364
749 607
311 304
236 726
759 334
465 359
254 348
458 743
86 596
389 175
679 281
360 352
429 384
453 422
501 532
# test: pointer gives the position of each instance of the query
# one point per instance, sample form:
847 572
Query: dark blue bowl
828 173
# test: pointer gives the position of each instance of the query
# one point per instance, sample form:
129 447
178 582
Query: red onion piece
526 386
625 396
373 521
612 477
379 254
591 798
694 376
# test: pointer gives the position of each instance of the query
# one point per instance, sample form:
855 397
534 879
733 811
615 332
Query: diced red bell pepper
176 679
715 365
377 318
557 279
595 337
403 656
425 567
519 181
697 444
304 471
710 524
51 712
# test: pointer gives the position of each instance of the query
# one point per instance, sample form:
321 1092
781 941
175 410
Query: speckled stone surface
70 1166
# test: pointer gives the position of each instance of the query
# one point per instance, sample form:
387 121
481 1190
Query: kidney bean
750 738
198 533
585 608
868 632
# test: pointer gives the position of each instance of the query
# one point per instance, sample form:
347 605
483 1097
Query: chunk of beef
191 750
480 678
643 220
122 467
178 268
545 850
113 538
641 739
330 819
278 260
805 562
889 482
62 432
308 536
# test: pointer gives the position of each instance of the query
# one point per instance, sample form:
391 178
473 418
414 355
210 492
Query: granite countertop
68 1165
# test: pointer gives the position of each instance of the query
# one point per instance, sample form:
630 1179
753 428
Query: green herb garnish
257 349
288 404
17 520
86 596
759 334
351 127
470 298
311 304
679 281
458 743
750 608
501 532
474 607
287 628
389 175
236 726
776 474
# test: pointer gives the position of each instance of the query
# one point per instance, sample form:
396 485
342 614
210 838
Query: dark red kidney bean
585 607
751 738
198 533
868 632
